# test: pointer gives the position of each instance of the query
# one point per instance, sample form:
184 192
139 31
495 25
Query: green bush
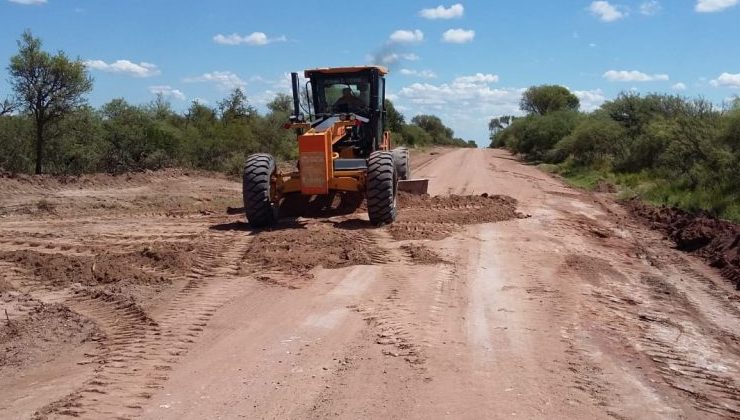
535 135
594 142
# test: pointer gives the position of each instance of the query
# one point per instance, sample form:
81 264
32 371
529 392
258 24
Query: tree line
46 125
665 148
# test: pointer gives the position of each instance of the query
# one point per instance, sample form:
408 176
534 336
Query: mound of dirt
298 251
59 270
425 217
718 241
421 254
458 209
43 334
175 257
51 182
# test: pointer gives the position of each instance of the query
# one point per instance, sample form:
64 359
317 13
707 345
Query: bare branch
6 107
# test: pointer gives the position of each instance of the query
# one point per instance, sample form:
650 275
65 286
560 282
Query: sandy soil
506 294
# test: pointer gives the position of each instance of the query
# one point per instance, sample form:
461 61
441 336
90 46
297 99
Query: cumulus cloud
478 78
590 100
710 6
403 36
124 67
224 80
727 80
254 39
28 2
679 86
167 91
633 76
441 12
389 59
650 7
454 94
458 36
427 74
606 12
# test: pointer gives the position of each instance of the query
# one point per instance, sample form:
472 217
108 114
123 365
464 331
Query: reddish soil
298 250
718 241
140 296
426 217
421 254
42 334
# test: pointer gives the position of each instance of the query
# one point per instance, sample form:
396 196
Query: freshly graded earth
502 294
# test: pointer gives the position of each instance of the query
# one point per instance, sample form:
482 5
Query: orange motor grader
343 150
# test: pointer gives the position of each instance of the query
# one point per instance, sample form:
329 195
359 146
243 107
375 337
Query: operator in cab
348 102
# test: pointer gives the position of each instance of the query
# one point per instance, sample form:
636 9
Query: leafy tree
414 135
235 107
16 151
394 119
439 133
282 104
47 86
595 140
534 135
496 125
201 116
542 100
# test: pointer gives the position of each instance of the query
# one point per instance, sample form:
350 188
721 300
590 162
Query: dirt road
141 298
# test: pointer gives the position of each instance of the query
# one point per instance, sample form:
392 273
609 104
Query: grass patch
652 189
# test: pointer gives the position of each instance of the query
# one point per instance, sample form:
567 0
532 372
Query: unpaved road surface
141 297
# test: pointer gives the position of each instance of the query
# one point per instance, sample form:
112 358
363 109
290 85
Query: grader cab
344 150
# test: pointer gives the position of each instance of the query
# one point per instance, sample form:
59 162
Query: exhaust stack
296 90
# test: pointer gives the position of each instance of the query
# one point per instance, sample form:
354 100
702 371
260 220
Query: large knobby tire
381 188
403 163
257 190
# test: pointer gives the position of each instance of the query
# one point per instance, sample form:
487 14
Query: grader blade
414 186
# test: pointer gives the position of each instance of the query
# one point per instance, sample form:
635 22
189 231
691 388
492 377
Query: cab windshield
342 95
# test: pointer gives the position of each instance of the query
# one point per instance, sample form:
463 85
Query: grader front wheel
257 190
381 188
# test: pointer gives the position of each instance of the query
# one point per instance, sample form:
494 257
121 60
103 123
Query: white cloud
28 2
650 7
606 12
391 58
254 39
590 99
224 80
125 67
679 86
727 80
709 6
441 12
454 95
167 91
478 78
633 76
458 36
427 74
403 36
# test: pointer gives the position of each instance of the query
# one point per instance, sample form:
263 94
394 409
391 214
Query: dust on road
505 294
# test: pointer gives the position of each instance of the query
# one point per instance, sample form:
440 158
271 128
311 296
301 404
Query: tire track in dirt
136 351
667 329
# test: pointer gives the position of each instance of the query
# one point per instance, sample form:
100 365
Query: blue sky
464 61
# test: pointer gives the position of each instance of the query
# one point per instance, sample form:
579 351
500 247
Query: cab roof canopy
337 70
